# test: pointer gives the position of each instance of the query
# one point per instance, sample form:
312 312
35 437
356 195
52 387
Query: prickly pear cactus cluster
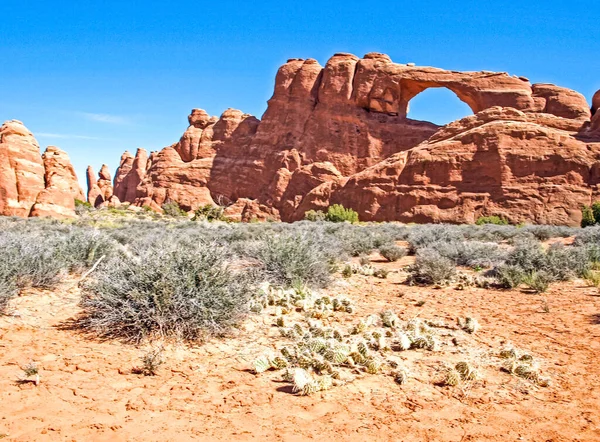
464 280
298 299
317 356
523 365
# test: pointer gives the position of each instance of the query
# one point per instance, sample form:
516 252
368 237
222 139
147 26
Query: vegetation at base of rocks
172 209
335 214
209 212
82 207
590 215
41 253
494 219
339 214
314 215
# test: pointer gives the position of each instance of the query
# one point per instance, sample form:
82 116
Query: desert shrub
565 263
494 219
33 260
596 211
82 207
166 290
355 240
392 252
314 215
470 253
432 268
545 232
589 235
338 214
427 234
172 209
82 247
209 212
538 281
587 217
509 276
527 254
8 290
289 259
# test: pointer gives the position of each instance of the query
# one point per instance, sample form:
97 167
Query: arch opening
437 105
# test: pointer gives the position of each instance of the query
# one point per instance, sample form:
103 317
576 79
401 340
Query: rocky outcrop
100 190
341 134
32 184
498 162
62 187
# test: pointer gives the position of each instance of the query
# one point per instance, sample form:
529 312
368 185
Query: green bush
314 215
587 217
494 219
338 214
209 212
392 252
596 211
172 209
82 207
538 281
510 276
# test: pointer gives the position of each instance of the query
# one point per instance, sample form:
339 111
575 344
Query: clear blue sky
97 78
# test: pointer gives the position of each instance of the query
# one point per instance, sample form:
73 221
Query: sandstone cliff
32 184
340 134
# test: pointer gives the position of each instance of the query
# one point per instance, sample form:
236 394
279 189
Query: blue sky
98 79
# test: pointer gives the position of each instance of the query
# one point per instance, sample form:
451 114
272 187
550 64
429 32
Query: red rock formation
340 133
130 174
101 190
34 185
62 187
21 169
596 102
498 162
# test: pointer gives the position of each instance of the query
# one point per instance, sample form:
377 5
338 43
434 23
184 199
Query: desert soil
88 391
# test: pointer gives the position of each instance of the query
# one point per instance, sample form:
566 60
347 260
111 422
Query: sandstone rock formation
32 184
62 187
341 134
100 190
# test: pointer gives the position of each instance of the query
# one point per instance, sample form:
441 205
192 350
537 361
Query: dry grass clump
468 324
151 361
31 373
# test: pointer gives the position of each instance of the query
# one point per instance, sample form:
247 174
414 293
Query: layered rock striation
341 134
32 184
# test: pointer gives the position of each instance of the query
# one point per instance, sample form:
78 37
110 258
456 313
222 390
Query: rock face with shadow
32 184
340 134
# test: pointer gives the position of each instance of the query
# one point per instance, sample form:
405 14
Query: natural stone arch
445 98
410 90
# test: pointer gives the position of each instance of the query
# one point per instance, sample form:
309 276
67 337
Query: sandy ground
89 393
